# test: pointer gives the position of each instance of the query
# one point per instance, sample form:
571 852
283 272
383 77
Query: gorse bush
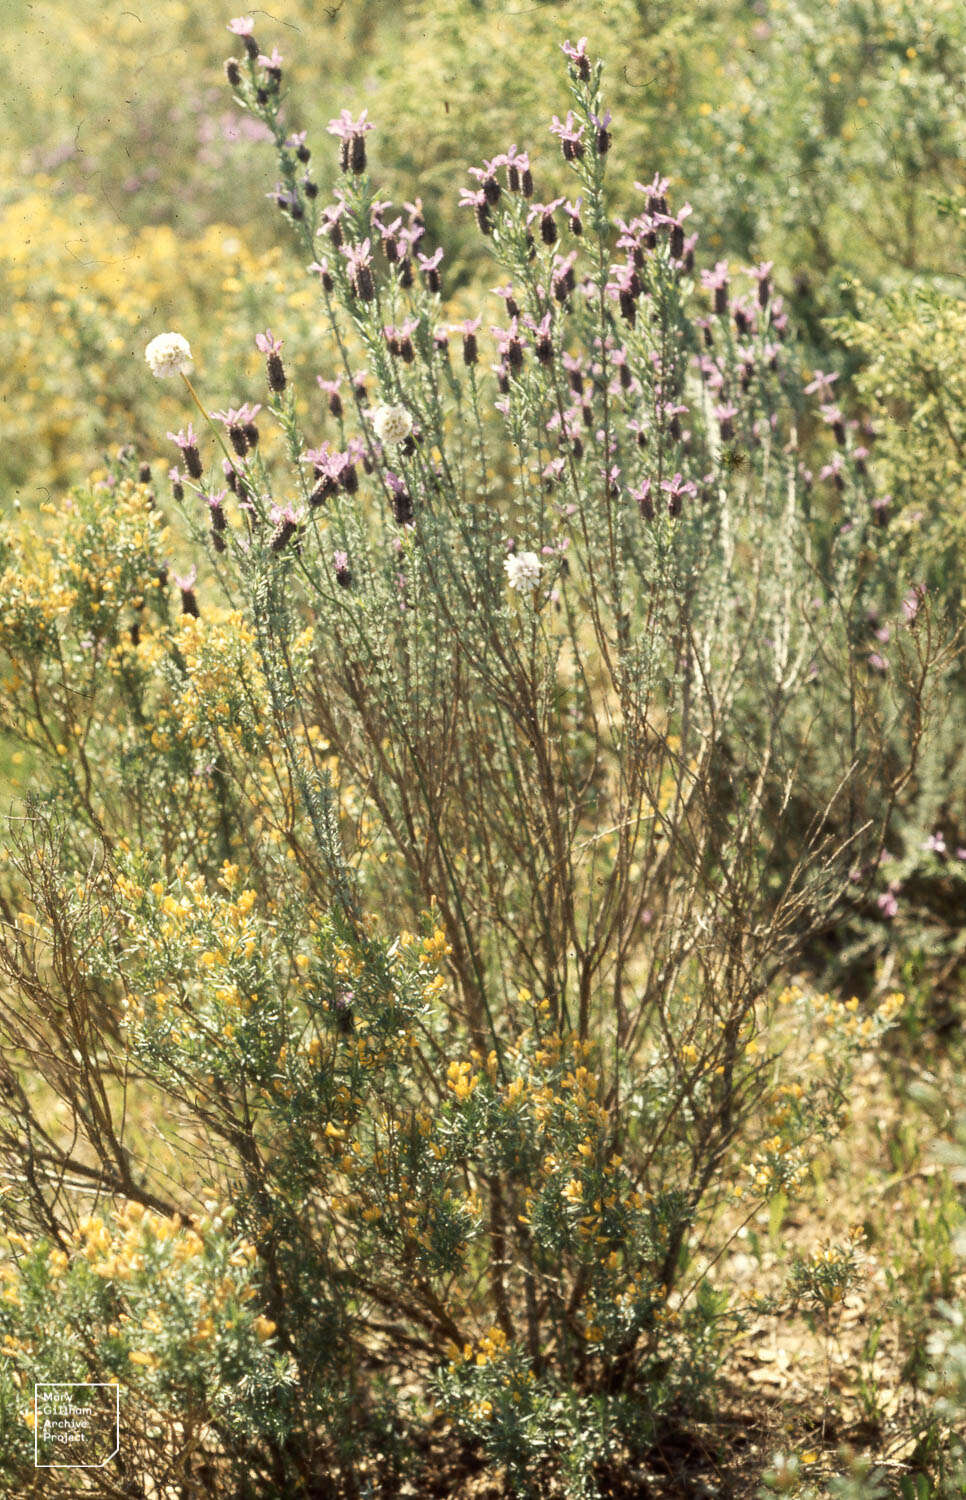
75 287
424 826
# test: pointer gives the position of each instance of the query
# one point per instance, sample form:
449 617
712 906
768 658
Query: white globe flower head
523 570
168 354
392 424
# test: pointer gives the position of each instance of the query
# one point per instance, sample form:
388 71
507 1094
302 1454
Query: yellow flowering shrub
82 296
164 1307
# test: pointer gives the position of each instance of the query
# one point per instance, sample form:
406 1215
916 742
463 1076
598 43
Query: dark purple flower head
572 210
187 441
486 177
716 282
400 499
574 366
285 519
320 268
545 212
577 57
429 265
296 143
476 199
186 584
510 344
469 328
240 423
219 521
331 224
835 418
676 489
359 261
270 346
512 306
762 274
287 200
519 178
331 389
656 193
645 499
673 412
543 339
358 256
625 287
725 417
352 135
570 134
675 223
399 339
744 314
602 137
390 243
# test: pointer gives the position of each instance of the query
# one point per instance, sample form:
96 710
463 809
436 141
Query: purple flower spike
352 135
570 134
577 57
268 345
716 282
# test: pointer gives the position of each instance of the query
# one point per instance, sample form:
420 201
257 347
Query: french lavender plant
523 722
574 628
